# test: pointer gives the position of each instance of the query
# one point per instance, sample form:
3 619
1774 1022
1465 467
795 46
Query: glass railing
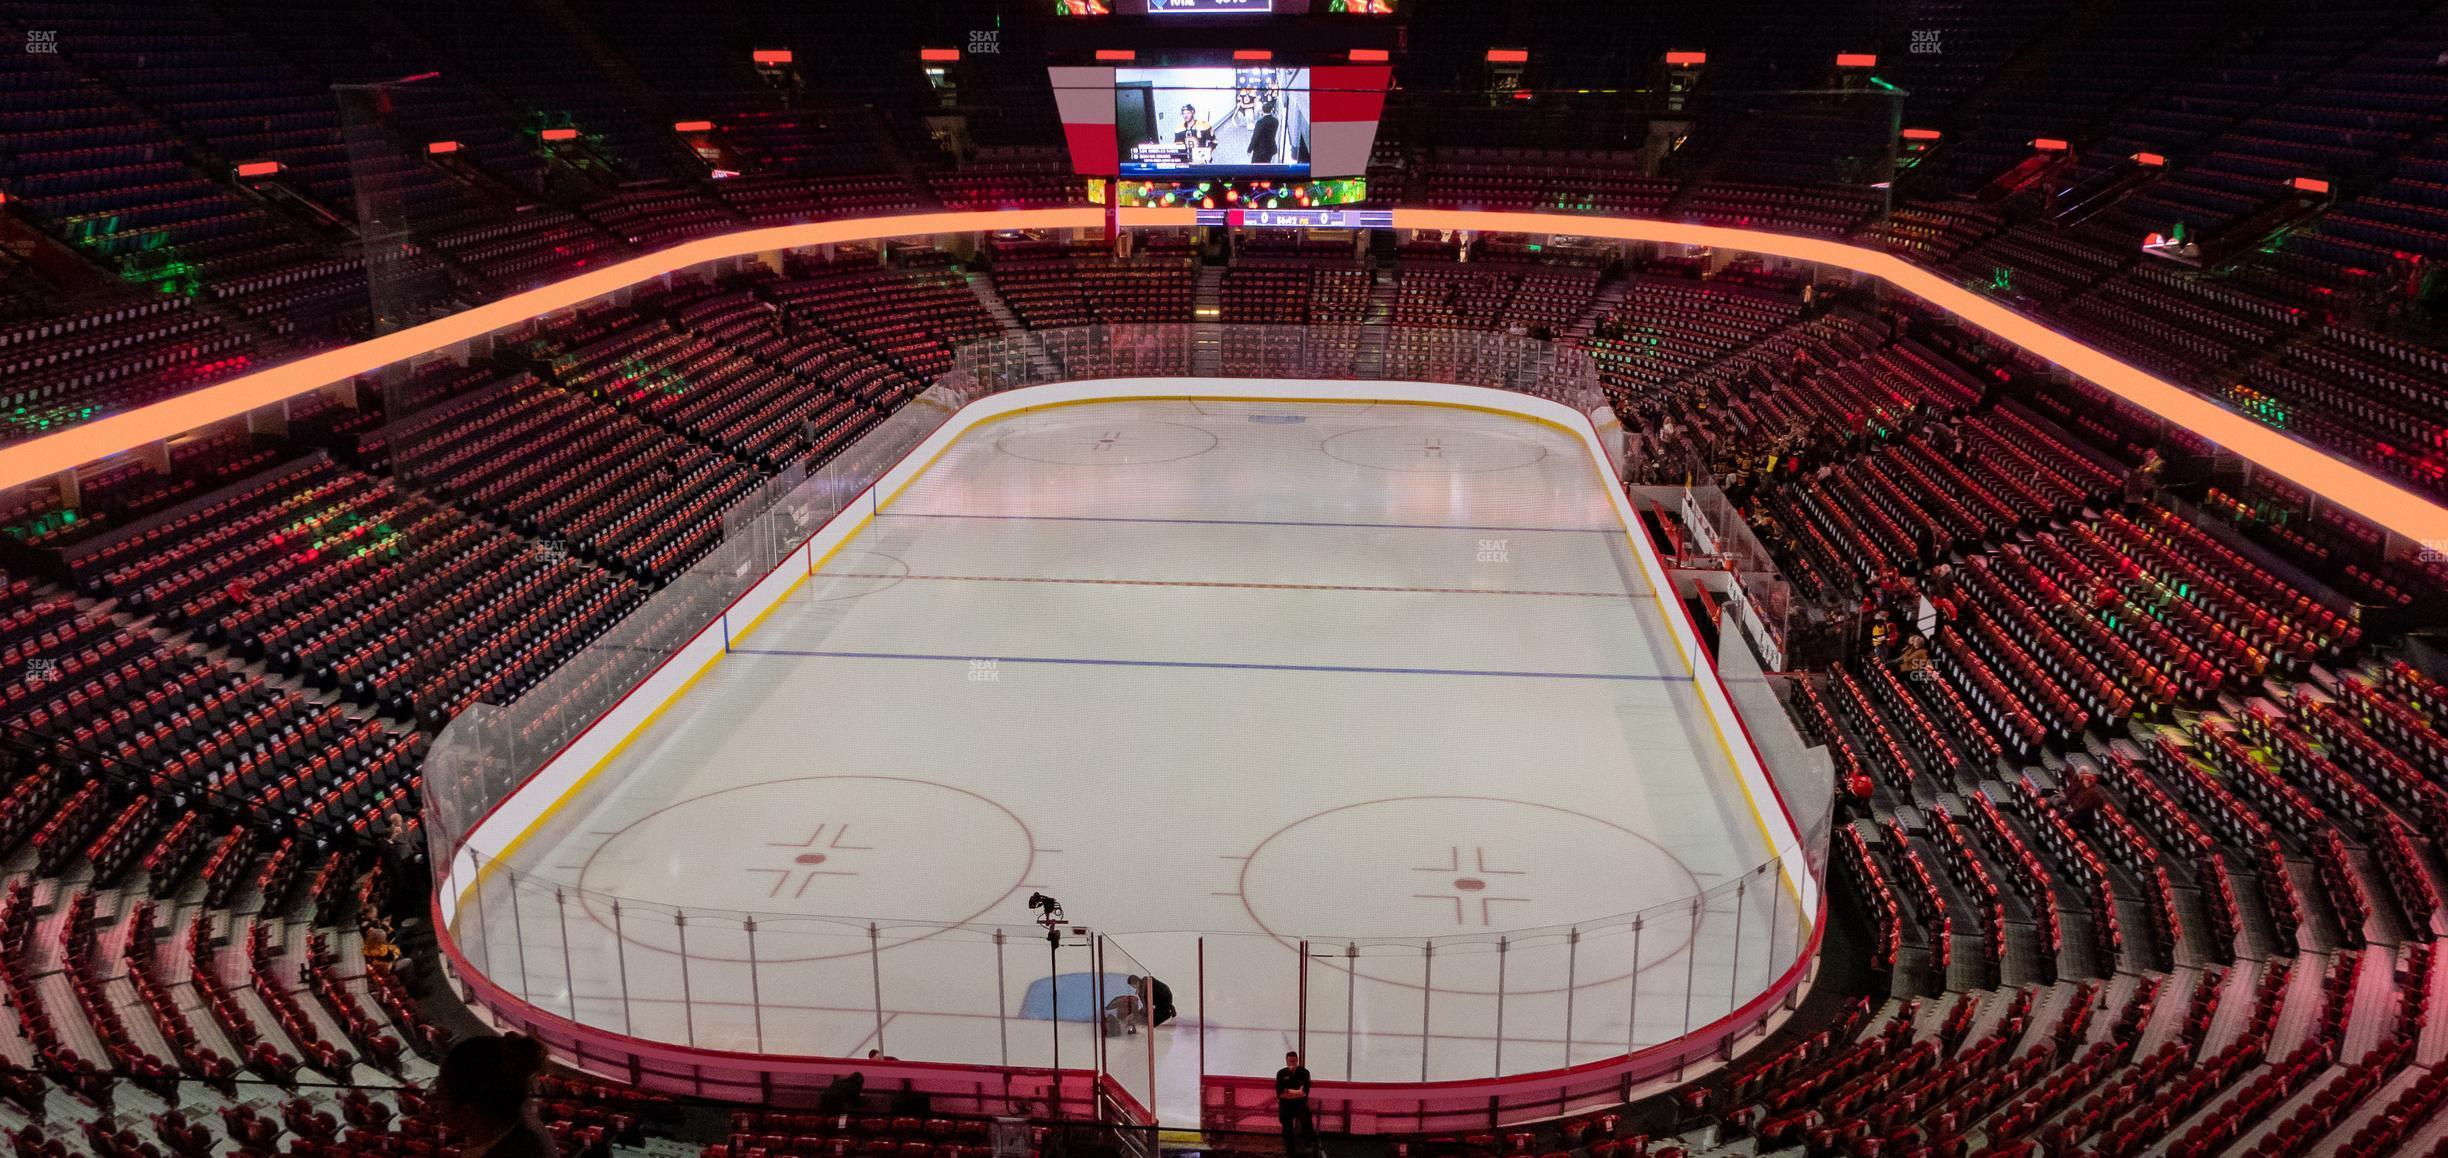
637 988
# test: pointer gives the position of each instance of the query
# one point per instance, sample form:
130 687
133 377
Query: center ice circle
1112 442
798 853
1462 871
1432 450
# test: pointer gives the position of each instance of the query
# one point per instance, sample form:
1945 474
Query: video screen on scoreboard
1209 7
1177 121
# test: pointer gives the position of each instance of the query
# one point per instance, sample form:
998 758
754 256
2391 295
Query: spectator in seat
1914 659
1763 524
485 1092
2082 798
842 1094
1943 437
382 955
1941 582
2139 484
404 857
1857 795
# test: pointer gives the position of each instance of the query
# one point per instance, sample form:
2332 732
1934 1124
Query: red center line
1210 583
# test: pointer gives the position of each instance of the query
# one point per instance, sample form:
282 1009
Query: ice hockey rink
1225 677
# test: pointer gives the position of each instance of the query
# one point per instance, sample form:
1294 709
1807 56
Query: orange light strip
1178 217
1686 59
1253 54
1857 60
1508 56
693 127
258 168
939 55
1921 134
560 134
2310 184
1117 55
2150 160
437 148
771 56
2367 495
1370 56
2050 144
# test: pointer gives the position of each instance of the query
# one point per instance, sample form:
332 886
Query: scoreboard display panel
1193 96
1299 218
1177 8
1171 122
1283 121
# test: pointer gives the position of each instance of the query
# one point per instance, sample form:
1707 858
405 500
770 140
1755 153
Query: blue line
1256 523
1223 666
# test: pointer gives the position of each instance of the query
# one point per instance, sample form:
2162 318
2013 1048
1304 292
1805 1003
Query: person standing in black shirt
1265 148
1292 1105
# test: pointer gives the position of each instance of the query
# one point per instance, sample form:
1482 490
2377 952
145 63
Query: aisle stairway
983 288
1370 361
1610 296
1207 334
